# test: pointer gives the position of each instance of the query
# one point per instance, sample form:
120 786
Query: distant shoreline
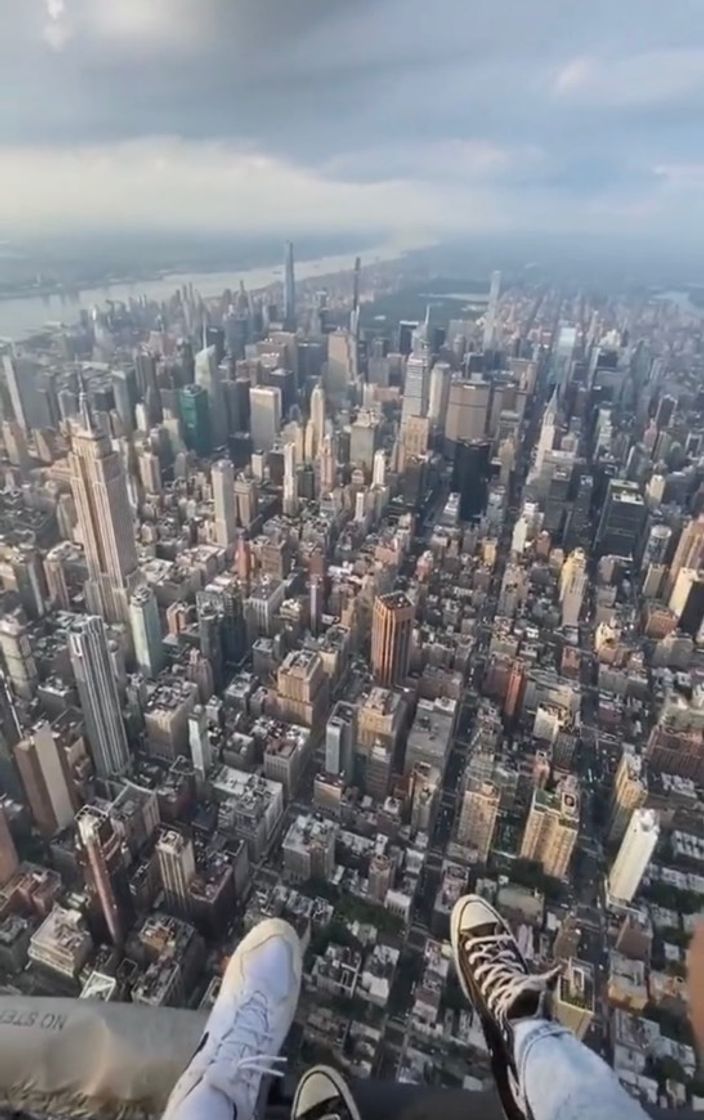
25 314
72 291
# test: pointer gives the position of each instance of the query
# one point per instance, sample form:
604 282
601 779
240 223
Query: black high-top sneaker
497 982
323 1094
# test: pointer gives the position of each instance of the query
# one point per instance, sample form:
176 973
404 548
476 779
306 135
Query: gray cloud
399 113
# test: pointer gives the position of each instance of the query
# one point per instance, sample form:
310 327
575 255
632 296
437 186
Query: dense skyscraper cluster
315 611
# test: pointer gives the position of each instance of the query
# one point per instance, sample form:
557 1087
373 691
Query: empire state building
105 519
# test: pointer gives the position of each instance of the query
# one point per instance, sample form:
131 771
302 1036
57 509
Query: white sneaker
246 1028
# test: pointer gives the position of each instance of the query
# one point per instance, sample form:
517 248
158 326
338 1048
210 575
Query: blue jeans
563 1080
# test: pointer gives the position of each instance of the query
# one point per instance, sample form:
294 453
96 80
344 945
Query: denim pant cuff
526 1034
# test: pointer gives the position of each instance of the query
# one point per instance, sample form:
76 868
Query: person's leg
541 1069
323 1094
245 1030
560 1078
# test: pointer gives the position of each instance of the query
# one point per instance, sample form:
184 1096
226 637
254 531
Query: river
22 314
682 300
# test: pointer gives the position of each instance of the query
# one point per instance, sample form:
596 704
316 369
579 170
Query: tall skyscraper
302 688
317 598
177 867
144 372
14 386
100 854
491 311
13 437
317 415
379 473
548 428
417 385
622 519
195 413
360 505
380 721
199 741
629 793
470 477
573 581
328 466
289 289
392 632
562 355
552 828
124 388
364 436
214 336
100 703
104 519
689 552
341 369
47 783
9 861
211 640
208 377
309 442
406 333
9 737
200 673
477 822
23 572
378 365
150 472
340 736
467 412
17 654
265 416
380 877
687 600
656 546
223 479
146 632
28 396
634 854
440 377
247 500
515 689
290 497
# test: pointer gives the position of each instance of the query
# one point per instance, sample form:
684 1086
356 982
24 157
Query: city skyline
336 600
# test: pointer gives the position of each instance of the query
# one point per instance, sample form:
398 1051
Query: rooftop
576 985
306 831
239 783
382 700
300 662
63 929
172 841
396 600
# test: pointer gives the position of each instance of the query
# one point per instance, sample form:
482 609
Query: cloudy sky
410 117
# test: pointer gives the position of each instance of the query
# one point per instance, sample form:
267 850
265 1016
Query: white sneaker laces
500 973
242 1057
